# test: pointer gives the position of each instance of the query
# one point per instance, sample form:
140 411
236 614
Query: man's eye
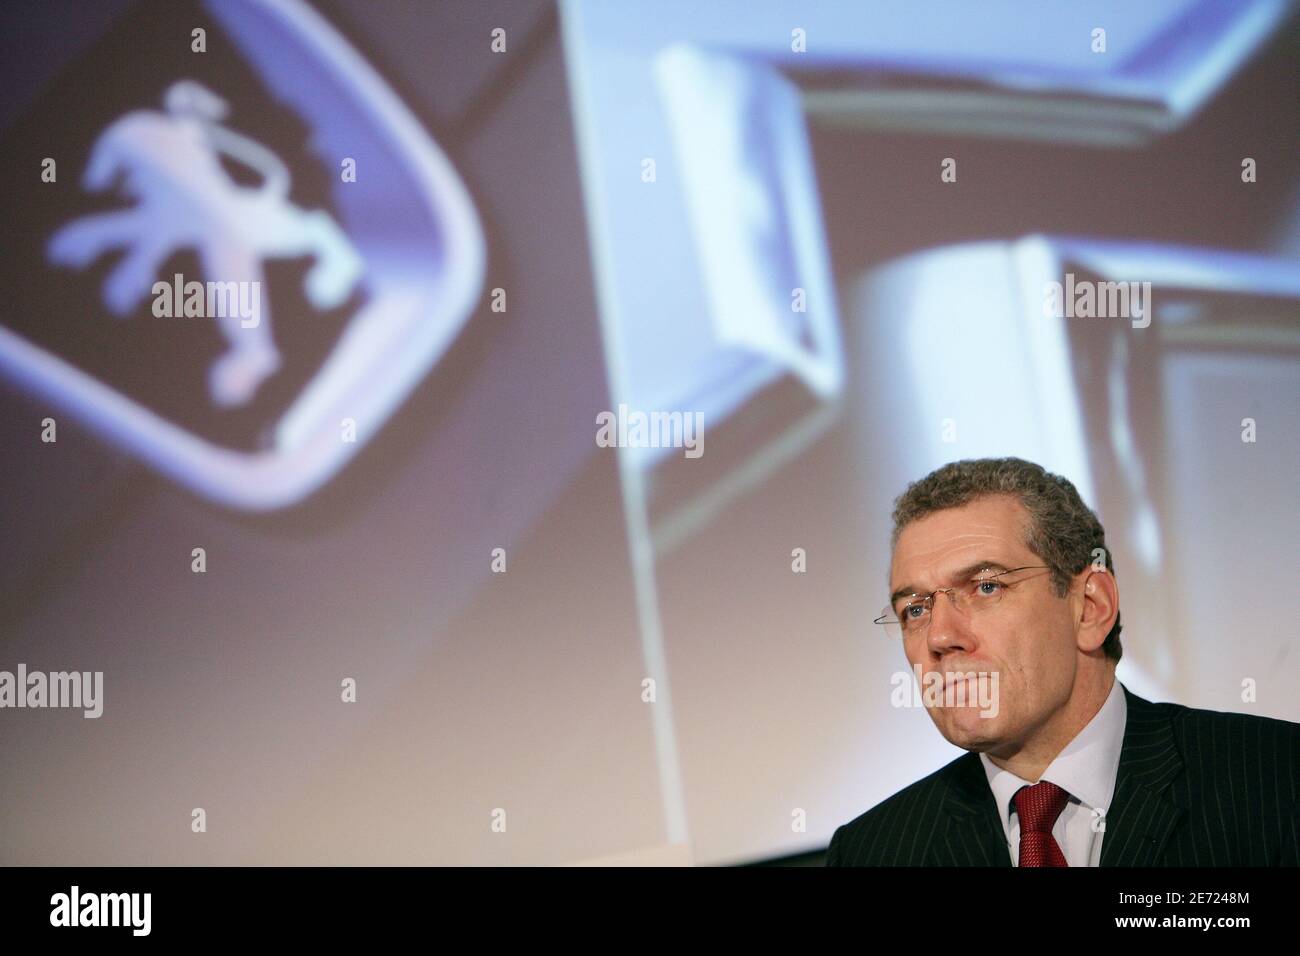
907 611
987 588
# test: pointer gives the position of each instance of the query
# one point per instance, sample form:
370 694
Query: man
1001 581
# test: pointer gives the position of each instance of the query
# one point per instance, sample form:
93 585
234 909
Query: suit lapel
973 834
1142 814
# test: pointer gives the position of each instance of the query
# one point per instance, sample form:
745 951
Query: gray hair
1062 530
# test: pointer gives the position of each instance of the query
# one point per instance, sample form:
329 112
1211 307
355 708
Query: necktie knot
1038 807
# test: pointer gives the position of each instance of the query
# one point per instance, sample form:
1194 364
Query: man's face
1027 637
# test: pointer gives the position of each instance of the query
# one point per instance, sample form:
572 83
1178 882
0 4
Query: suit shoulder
873 836
1194 724
1225 750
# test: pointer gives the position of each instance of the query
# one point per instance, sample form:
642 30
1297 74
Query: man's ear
1098 608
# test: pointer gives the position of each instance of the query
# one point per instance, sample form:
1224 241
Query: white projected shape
185 199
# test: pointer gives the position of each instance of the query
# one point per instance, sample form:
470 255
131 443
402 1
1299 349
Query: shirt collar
1086 768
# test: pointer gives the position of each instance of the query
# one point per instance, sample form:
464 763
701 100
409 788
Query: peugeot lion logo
185 198
398 256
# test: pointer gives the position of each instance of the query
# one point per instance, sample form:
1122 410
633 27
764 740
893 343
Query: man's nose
949 629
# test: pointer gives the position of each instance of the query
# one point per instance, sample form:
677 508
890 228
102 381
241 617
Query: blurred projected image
469 432
883 240
299 369
244 247
194 203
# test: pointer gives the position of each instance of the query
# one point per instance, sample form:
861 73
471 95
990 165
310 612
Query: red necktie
1038 807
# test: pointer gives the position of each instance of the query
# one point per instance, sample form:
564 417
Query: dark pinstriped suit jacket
1194 788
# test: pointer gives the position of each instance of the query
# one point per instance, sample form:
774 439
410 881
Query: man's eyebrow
960 575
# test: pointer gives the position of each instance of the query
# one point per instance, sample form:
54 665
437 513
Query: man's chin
964 727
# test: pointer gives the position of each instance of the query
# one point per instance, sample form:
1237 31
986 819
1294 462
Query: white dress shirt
1086 770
